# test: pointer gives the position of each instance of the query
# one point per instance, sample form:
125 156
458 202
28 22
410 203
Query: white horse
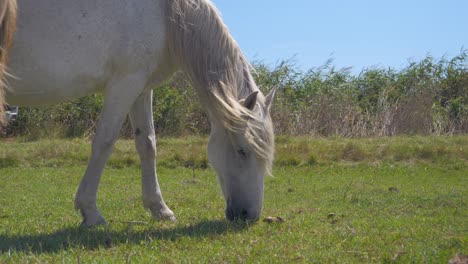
67 49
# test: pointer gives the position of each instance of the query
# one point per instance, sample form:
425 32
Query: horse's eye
242 153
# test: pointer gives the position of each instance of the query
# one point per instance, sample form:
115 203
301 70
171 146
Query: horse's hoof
165 215
94 221
168 218
171 219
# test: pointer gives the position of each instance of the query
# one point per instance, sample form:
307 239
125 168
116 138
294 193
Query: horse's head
242 157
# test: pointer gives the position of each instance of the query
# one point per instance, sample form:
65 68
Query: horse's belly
54 71
50 91
42 76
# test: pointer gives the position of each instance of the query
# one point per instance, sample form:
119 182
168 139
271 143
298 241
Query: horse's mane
201 45
7 28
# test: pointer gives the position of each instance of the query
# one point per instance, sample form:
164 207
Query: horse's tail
7 28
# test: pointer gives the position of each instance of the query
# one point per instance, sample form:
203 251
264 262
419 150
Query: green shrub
426 97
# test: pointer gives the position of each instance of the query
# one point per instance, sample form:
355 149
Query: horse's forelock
256 126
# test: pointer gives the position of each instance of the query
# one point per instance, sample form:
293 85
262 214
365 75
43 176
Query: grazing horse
67 49
7 27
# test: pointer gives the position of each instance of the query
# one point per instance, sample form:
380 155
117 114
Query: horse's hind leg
141 117
119 97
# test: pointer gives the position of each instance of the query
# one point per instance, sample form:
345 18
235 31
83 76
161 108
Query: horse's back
72 48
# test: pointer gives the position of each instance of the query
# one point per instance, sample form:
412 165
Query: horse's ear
250 101
269 99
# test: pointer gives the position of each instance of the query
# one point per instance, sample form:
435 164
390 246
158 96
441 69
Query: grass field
378 200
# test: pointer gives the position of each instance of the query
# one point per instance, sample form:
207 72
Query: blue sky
357 33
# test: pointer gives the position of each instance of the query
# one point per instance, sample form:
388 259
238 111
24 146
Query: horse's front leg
119 97
141 117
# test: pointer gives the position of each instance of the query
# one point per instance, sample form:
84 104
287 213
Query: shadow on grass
104 237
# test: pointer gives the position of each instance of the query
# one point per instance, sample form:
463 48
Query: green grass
377 200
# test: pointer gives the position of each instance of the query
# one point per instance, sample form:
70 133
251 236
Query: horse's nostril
230 214
244 214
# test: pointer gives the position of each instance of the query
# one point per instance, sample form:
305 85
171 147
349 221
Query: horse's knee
145 143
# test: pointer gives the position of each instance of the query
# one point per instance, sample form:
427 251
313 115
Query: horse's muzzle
243 214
